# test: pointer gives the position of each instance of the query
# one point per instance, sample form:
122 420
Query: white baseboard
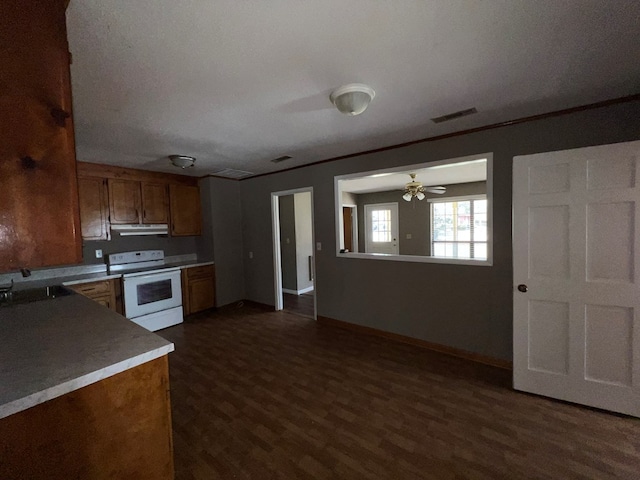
298 292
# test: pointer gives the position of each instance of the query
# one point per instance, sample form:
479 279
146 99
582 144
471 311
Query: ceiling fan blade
438 190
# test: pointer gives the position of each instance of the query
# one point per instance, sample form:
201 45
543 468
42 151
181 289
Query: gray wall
430 306
288 242
304 239
170 245
221 238
414 217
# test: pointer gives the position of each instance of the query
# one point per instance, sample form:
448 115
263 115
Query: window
381 225
409 232
459 227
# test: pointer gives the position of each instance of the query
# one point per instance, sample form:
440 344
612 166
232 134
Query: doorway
293 251
350 228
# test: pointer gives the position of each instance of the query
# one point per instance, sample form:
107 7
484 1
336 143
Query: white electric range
152 292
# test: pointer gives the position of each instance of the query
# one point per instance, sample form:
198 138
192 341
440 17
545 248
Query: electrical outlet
98 253
408 236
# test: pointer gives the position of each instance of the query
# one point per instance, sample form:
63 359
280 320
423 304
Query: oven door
153 292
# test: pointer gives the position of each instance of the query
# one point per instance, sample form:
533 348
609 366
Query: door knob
522 288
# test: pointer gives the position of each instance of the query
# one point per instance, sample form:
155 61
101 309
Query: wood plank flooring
300 304
271 395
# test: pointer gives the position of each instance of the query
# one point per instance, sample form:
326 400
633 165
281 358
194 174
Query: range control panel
125 258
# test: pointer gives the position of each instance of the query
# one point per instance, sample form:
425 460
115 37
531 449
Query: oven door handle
155 276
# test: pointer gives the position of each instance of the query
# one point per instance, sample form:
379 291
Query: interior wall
170 245
304 239
414 217
222 239
463 306
288 260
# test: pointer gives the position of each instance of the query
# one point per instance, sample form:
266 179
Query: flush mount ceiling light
415 189
182 161
352 99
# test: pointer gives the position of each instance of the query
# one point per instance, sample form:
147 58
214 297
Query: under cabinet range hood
140 229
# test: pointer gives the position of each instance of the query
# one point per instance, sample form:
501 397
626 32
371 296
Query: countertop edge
197 264
50 393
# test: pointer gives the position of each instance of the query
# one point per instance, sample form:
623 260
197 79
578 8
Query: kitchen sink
10 297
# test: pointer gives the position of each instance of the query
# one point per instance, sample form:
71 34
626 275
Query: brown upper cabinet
136 196
39 214
186 218
124 201
94 208
155 203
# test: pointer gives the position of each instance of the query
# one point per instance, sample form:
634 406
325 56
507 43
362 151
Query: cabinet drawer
198 272
93 289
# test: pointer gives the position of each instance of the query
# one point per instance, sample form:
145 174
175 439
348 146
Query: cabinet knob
60 116
523 288
28 163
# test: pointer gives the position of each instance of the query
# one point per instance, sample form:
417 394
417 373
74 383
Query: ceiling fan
416 189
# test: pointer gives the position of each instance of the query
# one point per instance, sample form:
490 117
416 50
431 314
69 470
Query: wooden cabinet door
199 288
201 294
124 201
186 218
94 208
154 203
39 214
102 292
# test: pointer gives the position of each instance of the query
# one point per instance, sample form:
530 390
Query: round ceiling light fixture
182 161
352 99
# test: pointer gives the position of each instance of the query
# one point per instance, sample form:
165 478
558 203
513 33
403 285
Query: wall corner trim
436 347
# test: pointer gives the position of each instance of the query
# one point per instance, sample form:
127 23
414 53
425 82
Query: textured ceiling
238 83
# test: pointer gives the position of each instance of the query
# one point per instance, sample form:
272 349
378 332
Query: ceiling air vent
454 115
231 173
281 159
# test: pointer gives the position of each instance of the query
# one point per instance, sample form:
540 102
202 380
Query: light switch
98 253
288 240
408 236
250 254
318 246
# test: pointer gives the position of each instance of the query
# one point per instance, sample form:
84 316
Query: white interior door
576 225
381 224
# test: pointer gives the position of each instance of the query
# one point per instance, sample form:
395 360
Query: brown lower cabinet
105 292
198 288
117 428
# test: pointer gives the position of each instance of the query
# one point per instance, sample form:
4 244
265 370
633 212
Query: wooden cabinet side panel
124 201
39 214
186 217
119 427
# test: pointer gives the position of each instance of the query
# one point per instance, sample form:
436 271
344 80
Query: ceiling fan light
182 161
352 99
420 196
407 196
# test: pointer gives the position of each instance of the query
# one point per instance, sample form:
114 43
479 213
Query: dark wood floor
300 304
266 395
